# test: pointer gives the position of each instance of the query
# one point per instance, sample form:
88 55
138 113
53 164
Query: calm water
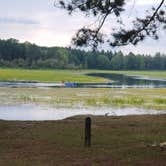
35 112
119 81
15 84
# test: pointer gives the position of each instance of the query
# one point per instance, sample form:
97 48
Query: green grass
67 75
116 141
160 100
46 76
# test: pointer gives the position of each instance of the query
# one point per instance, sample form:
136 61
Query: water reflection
17 84
120 80
34 112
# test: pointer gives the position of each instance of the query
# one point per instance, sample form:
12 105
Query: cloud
41 23
11 20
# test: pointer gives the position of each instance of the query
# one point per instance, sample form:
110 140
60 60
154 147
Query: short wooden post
88 132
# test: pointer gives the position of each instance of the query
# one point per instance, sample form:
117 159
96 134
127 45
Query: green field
46 76
116 141
67 75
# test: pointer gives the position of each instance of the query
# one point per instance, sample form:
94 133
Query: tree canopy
103 10
26 55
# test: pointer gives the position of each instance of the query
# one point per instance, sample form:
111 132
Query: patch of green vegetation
160 100
91 102
135 101
115 141
85 97
26 98
46 76
68 75
127 101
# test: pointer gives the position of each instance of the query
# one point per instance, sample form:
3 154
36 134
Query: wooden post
88 132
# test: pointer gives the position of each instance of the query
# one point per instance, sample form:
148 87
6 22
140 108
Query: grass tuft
160 100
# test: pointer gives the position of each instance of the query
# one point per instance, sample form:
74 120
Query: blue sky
38 21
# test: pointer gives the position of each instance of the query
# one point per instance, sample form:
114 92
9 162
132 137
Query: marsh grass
91 102
57 97
26 98
115 101
160 100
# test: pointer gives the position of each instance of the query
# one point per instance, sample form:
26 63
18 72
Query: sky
39 22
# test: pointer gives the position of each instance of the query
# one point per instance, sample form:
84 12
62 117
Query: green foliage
160 100
26 55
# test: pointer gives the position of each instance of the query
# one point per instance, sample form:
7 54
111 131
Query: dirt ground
119 141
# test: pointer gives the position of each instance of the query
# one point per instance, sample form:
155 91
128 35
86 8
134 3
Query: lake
126 81
32 112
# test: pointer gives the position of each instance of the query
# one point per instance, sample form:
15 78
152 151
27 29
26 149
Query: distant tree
141 60
130 62
62 57
102 62
102 10
157 61
26 55
117 62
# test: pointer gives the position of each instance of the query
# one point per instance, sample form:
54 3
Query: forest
14 54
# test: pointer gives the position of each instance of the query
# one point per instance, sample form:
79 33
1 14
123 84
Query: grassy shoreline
68 75
115 141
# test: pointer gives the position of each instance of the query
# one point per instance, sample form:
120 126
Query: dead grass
115 141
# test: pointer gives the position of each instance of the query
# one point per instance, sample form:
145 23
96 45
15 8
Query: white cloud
41 23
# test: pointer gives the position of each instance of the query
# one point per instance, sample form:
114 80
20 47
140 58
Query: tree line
26 55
